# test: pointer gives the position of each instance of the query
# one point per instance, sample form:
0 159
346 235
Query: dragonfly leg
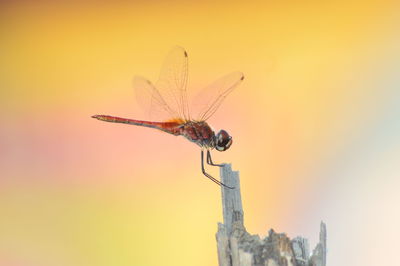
208 175
209 160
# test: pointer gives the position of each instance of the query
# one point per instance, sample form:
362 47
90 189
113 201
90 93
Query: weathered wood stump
236 247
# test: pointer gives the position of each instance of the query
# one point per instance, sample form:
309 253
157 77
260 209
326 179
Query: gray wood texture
236 247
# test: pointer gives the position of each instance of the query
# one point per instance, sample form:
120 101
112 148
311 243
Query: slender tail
169 127
115 119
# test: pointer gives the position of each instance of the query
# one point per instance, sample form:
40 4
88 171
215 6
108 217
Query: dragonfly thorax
199 133
202 134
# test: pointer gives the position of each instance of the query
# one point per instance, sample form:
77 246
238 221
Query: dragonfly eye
223 141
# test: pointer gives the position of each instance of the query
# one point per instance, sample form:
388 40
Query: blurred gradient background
315 129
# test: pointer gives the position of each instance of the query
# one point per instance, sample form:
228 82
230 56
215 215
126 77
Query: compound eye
224 141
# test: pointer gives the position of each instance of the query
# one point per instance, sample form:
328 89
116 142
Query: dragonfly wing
151 101
172 82
211 97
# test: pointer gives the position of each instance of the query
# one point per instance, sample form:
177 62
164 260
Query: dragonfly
167 102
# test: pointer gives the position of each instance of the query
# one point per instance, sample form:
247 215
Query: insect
167 102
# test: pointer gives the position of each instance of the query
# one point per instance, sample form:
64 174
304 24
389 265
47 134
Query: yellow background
315 129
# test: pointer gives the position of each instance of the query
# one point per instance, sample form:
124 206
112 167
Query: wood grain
236 247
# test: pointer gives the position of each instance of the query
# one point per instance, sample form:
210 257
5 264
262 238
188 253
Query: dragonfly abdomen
169 127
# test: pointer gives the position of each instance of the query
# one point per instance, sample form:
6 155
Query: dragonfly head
222 140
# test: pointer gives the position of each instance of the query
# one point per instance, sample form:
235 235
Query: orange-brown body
198 132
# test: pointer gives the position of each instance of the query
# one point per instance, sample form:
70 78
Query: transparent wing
172 83
210 98
151 101
167 99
